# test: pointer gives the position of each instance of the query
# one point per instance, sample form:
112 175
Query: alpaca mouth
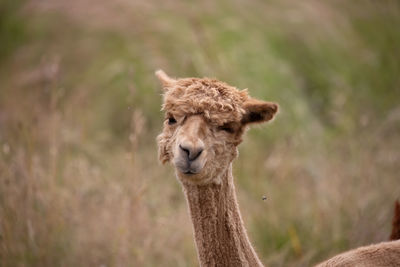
189 172
187 167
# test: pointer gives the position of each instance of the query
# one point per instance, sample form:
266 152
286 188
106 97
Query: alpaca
204 123
383 254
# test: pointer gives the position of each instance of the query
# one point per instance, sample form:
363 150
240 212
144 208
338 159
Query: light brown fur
383 254
204 123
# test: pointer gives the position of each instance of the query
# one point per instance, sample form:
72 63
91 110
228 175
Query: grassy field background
80 184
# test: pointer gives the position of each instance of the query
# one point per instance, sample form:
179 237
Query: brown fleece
211 115
396 222
220 235
383 254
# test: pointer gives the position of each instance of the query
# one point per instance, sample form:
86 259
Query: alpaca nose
191 151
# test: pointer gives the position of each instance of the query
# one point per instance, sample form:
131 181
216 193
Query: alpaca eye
226 128
171 120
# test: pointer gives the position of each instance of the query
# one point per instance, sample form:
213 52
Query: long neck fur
220 235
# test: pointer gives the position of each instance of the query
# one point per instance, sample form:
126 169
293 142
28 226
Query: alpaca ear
165 80
257 111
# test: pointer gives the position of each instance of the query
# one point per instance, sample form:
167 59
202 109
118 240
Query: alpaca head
204 123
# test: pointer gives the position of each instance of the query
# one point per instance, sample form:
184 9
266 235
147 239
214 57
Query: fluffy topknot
218 101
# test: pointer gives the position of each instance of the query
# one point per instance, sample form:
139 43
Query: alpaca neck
221 238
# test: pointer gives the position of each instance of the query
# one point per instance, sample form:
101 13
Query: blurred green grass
80 109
